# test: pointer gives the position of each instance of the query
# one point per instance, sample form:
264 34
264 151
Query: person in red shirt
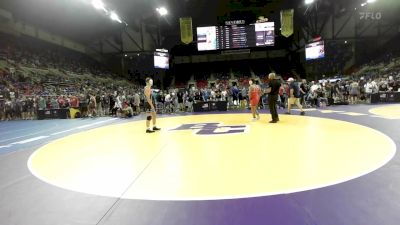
61 102
74 102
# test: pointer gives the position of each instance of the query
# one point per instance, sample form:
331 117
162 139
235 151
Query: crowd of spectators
126 100
38 76
28 52
110 97
376 77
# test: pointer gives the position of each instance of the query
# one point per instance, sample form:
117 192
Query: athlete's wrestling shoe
156 129
149 131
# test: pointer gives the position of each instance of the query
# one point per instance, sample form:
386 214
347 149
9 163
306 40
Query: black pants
272 101
283 101
302 99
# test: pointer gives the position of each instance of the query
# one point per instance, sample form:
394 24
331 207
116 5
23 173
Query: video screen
206 38
265 33
161 60
315 50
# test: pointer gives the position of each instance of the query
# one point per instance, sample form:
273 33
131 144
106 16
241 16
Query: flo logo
212 128
370 15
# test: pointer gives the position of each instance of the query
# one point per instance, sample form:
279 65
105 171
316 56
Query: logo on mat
212 128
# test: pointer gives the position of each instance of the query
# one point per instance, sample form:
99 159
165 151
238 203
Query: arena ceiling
78 20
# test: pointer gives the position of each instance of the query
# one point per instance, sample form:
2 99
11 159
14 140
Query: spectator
136 103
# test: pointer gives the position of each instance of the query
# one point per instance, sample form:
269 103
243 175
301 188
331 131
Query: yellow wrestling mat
212 157
388 112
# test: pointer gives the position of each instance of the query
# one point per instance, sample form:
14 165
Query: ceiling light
115 17
309 1
162 11
98 4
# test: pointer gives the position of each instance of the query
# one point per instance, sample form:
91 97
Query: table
210 106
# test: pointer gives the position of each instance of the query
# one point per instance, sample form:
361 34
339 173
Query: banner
186 30
287 22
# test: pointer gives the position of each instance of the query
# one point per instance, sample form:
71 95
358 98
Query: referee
273 91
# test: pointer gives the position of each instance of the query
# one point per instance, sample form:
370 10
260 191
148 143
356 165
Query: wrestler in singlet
254 95
150 107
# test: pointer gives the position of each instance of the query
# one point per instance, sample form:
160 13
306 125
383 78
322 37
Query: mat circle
207 157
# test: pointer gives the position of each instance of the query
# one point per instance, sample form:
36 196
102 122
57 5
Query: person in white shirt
368 87
314 86
224 95
168 99
213 95
174 101
136 103
118 103
313 91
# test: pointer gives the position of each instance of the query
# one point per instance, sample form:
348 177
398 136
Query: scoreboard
235 36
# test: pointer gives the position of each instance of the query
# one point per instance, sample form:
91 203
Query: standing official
273 91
